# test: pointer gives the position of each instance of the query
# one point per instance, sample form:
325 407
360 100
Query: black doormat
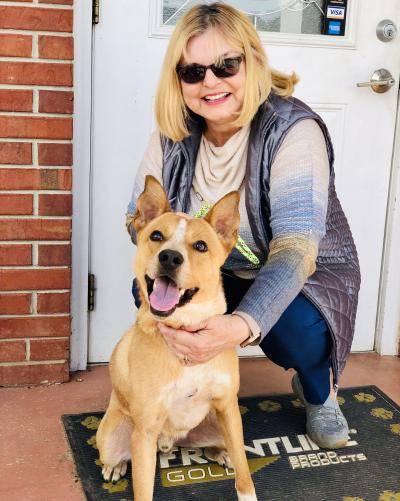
285 465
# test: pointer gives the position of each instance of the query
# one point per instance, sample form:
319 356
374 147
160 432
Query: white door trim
388 318
81 182
387 332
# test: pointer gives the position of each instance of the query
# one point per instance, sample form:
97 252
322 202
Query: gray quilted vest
333 287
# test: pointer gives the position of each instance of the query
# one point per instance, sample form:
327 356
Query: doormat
285 464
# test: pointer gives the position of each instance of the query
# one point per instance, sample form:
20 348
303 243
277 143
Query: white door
129 44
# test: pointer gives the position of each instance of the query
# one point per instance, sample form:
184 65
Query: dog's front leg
230 421
144 456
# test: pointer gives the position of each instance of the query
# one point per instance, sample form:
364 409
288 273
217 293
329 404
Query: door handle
380 82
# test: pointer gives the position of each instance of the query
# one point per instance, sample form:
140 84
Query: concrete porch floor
34 455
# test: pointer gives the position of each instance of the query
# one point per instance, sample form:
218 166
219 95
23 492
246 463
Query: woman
227 121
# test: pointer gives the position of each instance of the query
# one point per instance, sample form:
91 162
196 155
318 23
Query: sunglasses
195 73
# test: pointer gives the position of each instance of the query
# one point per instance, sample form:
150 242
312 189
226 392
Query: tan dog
157 401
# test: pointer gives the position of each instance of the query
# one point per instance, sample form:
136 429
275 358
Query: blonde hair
170 109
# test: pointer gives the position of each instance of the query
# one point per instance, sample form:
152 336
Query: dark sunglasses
195 73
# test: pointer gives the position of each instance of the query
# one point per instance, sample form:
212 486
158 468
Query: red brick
13 304
51 47
23 374
16 204
35 127
15 153
12 351
54 101
15 45
35 229
15 255
54 255
48 302
26 73
15 100
35 279
55 205
44 326
49 349
36 19
36 179
67 2
55 154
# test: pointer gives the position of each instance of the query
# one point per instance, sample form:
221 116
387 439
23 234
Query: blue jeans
300 339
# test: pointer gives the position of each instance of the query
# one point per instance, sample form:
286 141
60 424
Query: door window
311 17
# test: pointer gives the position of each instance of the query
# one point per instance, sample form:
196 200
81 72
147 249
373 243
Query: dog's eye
200 246
157 236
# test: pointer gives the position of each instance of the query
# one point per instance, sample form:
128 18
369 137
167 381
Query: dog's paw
165 443
114 473
247 497
221 456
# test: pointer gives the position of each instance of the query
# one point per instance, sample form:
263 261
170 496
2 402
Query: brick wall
36 106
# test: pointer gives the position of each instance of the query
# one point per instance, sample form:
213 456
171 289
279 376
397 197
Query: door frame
83 34
387 329
388 313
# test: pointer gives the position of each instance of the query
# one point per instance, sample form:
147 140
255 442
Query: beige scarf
221 169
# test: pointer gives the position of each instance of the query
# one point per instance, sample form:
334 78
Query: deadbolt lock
386 30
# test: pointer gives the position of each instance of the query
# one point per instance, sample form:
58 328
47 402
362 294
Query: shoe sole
325 445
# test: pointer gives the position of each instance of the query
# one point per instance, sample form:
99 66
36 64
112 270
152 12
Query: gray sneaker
326 425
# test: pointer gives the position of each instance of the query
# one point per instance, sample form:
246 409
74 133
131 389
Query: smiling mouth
165 296
216 98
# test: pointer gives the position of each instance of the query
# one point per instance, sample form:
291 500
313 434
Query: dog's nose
170 259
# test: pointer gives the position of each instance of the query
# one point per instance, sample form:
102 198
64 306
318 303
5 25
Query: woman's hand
199 343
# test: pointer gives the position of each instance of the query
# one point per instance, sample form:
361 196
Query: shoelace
327 413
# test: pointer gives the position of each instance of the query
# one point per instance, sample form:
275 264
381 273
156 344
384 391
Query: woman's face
227 93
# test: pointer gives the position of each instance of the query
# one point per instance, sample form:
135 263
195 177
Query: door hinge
91 291
96 11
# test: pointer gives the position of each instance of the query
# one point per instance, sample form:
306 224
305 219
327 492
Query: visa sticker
335 12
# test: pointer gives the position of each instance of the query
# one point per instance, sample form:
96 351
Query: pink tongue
165 294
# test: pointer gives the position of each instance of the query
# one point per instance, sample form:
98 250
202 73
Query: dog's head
179 258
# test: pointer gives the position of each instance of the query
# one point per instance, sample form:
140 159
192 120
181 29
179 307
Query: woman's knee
300 337
298 348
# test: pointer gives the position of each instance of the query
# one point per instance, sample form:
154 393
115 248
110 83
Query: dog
157 401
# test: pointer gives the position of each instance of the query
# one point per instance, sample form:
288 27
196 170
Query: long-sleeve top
298 196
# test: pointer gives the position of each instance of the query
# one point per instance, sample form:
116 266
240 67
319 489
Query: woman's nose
210 80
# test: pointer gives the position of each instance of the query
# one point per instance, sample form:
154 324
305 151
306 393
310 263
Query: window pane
282 16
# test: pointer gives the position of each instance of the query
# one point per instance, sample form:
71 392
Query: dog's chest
188 399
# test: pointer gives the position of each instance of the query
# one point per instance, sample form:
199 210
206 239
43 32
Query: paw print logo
243 409
297 403
269 406
91 422
92 441
395 428
382 413
389 496
365 397
119 486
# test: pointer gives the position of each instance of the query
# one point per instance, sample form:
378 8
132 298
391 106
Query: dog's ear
224 218
151 203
